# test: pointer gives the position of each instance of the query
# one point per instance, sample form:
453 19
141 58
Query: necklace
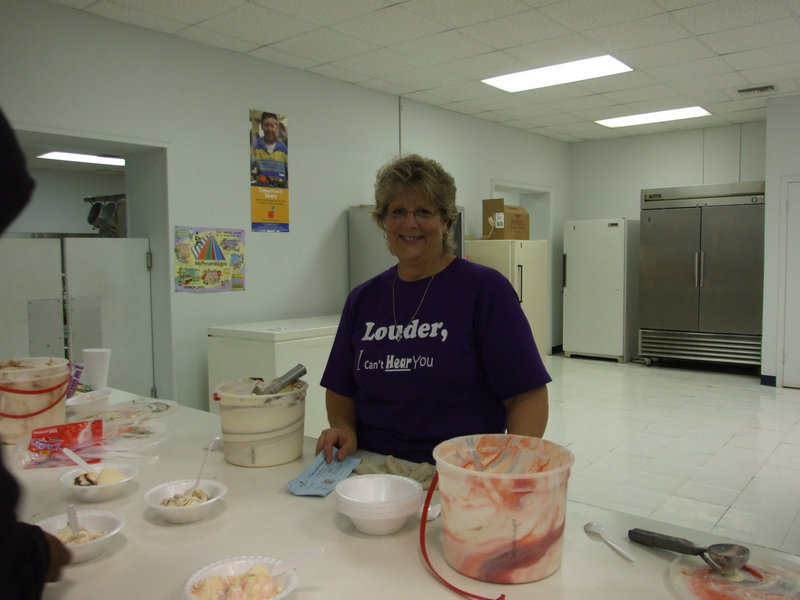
394 310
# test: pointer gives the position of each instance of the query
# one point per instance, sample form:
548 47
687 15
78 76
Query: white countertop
152 559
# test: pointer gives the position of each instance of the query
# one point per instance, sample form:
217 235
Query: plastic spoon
78 460
72 520
212 444
593 528
295 562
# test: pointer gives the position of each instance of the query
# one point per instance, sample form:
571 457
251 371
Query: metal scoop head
726 559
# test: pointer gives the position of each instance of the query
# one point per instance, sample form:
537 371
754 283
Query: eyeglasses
420 214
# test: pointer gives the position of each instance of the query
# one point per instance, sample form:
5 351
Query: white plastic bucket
33 394
261 430
503 519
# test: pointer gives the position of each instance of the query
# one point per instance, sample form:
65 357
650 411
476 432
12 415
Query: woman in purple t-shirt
434 347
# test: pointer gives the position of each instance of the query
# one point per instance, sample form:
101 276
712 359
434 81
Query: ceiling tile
110 10
270 54
486 65
212 38
340 73
184 11
729 14
442 47
753 59
556 50
641 32
323 45
388 26
761 35
426 78
327 12
667 53
698 68
580 15
515 30
257 24
459 13
378 63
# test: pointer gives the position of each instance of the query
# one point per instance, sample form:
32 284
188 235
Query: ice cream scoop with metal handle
281 382
726 559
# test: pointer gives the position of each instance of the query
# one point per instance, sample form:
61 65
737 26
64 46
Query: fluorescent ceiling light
577 70
656 117
84 158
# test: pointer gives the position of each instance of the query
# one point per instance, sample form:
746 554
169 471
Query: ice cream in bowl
96 528
176 502
102 482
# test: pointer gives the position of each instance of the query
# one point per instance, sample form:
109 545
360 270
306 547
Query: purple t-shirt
467 350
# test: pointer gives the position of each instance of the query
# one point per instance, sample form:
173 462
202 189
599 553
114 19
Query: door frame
783 262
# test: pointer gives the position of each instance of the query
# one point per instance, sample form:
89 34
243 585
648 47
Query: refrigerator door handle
519 275
702 261
563 271
696 269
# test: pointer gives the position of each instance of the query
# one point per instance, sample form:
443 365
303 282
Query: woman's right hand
343 439
59 556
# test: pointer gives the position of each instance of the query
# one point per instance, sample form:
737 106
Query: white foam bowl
184 514
378 504
238 565
92 520
98 493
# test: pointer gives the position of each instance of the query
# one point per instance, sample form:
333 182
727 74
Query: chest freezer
270 348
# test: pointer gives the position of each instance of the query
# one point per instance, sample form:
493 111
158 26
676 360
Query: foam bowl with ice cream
104 482
97 527
170 501
248 574
378 504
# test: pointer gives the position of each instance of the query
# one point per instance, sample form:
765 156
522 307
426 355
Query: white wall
783 161
68 72
607 176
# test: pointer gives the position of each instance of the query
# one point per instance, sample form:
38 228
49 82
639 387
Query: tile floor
701 446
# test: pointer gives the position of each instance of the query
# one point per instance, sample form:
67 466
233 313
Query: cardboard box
501 222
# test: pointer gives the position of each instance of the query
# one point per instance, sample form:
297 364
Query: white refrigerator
600 288
525 264
270 348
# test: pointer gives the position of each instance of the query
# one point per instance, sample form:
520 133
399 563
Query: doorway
145 187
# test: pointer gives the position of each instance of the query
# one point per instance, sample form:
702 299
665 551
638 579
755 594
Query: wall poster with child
269 171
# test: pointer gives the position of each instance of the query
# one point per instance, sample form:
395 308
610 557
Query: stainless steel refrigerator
600 286
701 273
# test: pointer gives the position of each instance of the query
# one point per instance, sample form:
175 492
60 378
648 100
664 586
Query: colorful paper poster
269 171
209 259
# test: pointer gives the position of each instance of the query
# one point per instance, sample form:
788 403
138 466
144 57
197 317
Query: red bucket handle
422 526
42 391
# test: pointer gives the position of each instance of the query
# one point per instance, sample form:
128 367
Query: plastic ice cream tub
33 394
504 501
261 430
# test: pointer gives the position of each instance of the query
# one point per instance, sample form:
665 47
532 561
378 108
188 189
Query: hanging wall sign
209 259
269 171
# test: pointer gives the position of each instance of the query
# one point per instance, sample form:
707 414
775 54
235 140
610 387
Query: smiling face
270 128
416 241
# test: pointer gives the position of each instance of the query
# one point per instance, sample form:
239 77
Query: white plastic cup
95 367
